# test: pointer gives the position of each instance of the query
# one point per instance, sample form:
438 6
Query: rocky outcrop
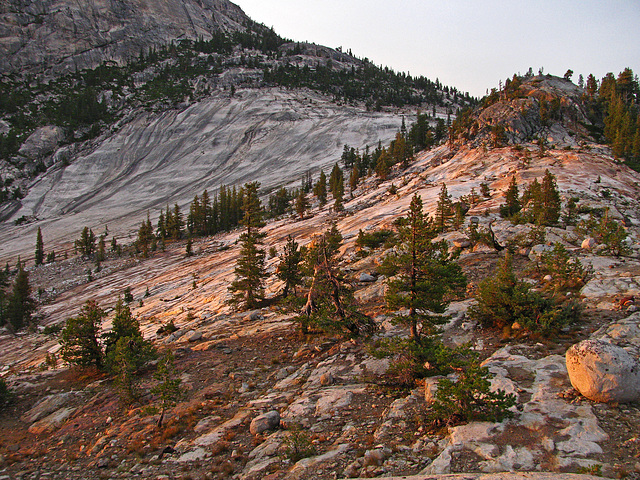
65 35
546 107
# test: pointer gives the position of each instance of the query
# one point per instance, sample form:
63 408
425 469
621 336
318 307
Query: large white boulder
603 372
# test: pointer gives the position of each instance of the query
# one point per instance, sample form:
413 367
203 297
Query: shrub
504 300
79 338
298 444
470 397
567 273
5 393
607 232
375 239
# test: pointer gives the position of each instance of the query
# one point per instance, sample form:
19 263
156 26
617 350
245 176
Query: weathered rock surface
68 35
603 372
165 158
46 406
498 476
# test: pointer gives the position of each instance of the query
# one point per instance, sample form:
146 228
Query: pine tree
302 204
101 254
550 199
247 288
79 338
336 181
86 244
320 189
126 326
20 304
289 267
444 210
39 255
145 235
427 275
330 305
168 389
511 204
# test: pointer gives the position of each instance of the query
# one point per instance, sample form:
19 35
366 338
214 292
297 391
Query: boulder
603 372
588 243
365 277
264 422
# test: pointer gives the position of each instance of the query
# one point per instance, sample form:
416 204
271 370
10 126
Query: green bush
504 300
298 444
470 398
375 239
5 393
607 232
567 273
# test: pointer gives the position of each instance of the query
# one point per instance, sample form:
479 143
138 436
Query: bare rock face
66 34
42 141
603 372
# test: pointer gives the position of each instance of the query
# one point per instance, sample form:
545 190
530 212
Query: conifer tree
336 181
320 189
86 244
20 304
39 254
330 305
511 204
126 327
444 210
247 288
302 204
101 253
427 275
550 199
145 234
79 338
289 267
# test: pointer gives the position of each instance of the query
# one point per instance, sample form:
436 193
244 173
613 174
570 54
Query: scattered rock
588 243
603 372
266 421
195 336
367 278
253 316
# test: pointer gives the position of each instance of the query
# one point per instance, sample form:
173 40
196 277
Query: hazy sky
469 44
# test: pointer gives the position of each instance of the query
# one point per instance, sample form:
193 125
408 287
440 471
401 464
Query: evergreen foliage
426 275
330 306
169 389
469 397
86 244
320 188
39 253
247 288
504 300
20 305
511 205
125 329
444 210
80 337
289 270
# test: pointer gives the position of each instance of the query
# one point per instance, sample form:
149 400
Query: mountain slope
155 159
67 35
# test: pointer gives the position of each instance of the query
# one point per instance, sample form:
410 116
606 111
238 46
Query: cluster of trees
619 98
16 303
121 352
540 202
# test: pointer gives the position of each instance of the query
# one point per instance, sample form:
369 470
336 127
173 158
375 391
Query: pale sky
469 44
